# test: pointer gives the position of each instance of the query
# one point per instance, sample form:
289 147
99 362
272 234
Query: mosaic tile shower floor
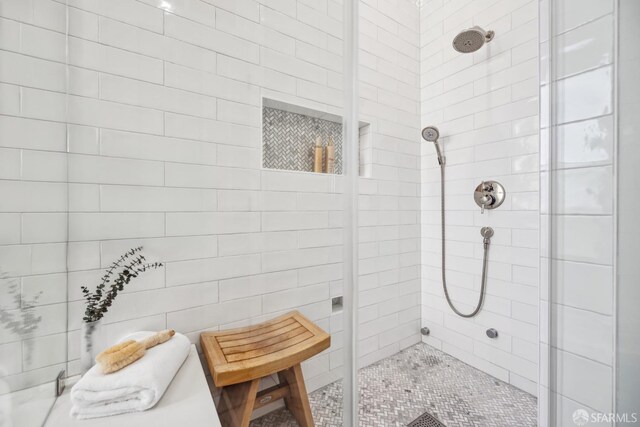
396 390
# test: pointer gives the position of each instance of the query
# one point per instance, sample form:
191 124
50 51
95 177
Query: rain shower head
430 133
470 40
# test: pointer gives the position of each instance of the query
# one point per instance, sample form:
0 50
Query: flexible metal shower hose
444 275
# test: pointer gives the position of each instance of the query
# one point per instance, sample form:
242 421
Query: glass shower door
194 134
33 208
590 98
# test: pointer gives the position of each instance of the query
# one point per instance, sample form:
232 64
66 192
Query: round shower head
472 39
430 133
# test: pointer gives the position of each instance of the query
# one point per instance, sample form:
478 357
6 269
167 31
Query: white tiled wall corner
485 105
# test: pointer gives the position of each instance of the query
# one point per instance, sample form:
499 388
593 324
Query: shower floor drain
426 420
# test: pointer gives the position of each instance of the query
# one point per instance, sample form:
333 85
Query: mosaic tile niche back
288 140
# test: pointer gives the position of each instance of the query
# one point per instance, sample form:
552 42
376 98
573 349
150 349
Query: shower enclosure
206 131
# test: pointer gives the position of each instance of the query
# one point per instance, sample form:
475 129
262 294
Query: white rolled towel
136 387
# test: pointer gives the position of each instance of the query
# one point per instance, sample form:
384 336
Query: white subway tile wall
577 187
485 105
163 128
389 298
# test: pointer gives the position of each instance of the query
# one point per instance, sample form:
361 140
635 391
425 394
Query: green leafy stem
126 268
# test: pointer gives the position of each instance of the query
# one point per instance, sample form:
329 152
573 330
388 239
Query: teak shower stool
239 358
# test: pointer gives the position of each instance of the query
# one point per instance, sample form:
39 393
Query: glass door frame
350 225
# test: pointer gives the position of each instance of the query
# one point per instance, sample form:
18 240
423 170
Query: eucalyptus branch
129 266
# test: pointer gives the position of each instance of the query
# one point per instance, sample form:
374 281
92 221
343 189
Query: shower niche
296 138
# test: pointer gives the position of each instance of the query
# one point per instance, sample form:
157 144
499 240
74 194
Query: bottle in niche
317 156
331 157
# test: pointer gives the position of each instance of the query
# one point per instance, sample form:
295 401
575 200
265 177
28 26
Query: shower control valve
485 200
489 195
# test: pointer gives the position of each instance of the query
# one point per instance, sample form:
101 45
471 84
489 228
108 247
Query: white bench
187 402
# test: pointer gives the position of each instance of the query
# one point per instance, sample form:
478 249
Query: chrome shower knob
486 200
489 195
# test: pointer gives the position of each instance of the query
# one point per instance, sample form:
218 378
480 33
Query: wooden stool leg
236 403
297 402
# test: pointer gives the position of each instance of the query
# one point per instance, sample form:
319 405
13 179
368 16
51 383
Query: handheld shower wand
431 134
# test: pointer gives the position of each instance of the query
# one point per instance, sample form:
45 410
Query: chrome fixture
487 234
60 382
472 39
431 134
492 333
425 331
336 304
489 195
